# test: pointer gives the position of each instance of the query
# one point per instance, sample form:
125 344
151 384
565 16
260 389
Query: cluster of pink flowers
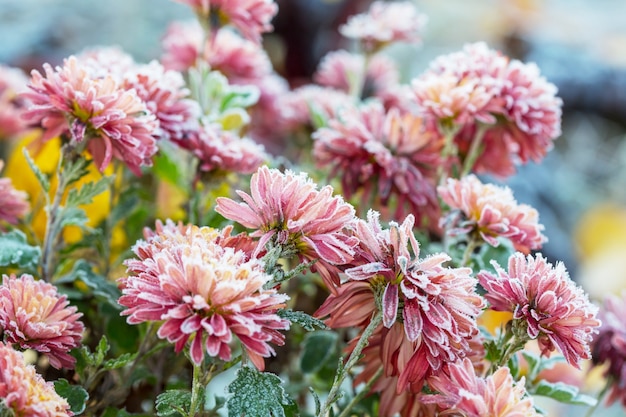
489 212
12 82
204 290
250 17
516 107
385 23
438 305
24 392
114 121
13 203
543 298
390 154
34 316
287 210
609 346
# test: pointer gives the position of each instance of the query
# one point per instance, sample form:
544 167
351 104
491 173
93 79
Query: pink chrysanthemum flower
182 43
114 121
288 210
24 392
266 114
104 61
250 17
545 301
12 82
438 305
342 69
165 95
219 150
34 316
203 291
299 105
517 108
384 23
462 392
13 203
388 153
489 212
609 346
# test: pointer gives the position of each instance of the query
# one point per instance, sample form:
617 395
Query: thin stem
352 360
601 396
196 388
472 244
361 393
474 151
449 149
52 223
109 224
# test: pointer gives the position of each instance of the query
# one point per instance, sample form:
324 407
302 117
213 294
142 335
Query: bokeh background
579 45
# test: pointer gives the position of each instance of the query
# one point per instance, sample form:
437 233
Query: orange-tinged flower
545 301
287 209
34 316
491 212
24 391
462 392
203 289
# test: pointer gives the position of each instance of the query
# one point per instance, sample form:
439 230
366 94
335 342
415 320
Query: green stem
361 393
449 149
196 389
474 151
52 221
343 371
472 244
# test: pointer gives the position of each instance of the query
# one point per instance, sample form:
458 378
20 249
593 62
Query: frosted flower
386 153
113 120
438 305
545 301
204 292
240 60
250 17
12 82
385 23
219 150
299 105
342 70
491 212
182 43
287 209
609 346
462 392
34 316
165 96
13 203
24 392
266 114
107 60
514 103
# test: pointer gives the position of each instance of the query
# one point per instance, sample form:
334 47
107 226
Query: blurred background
579 189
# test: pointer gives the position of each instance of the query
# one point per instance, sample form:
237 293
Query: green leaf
173 403
166 168
534 365
41 177
72 216
318 348
101 350
102 288
258 394
75 395
308 322
318 118
74 170
564 393
15 250
87 192
119 362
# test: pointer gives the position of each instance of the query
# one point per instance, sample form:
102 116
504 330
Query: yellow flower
46 157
